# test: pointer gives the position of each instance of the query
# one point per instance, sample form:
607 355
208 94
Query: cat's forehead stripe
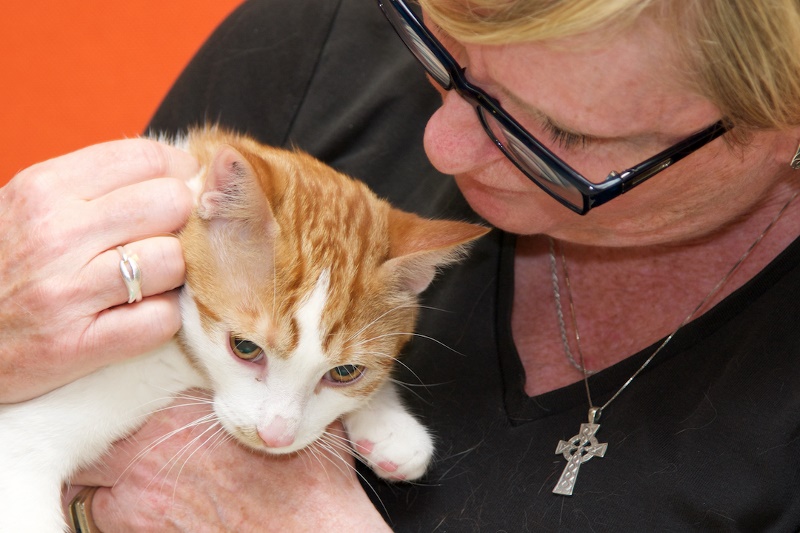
308 316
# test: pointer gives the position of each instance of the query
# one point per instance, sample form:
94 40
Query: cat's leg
389 439
45 440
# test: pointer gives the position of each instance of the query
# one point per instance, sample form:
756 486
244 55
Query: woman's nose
455 140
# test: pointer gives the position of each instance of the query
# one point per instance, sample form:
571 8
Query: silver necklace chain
584 445
560 315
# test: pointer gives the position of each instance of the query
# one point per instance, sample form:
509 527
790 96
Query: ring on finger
80 511
131 275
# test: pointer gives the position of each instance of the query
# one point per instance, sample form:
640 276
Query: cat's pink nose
277 434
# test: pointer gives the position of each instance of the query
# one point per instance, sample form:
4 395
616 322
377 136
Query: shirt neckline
521 408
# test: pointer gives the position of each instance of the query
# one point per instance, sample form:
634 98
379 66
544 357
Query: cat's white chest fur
45 440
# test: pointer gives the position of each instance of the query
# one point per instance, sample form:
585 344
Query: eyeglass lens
527 160
512 146
422 51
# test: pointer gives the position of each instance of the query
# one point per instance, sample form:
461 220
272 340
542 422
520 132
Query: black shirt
707 438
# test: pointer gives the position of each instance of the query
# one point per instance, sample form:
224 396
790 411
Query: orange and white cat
301 289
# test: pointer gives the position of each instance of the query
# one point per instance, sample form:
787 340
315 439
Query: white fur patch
309 316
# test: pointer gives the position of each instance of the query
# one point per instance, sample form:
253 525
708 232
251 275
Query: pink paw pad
387 466
364 447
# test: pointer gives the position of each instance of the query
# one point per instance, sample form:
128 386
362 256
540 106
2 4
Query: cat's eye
245 349
345 373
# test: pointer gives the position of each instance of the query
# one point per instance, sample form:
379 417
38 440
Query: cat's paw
396 447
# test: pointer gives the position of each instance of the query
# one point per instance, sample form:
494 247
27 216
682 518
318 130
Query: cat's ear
418 247
231 188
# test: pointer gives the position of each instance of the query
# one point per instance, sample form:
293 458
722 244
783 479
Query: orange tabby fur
314 273
296 219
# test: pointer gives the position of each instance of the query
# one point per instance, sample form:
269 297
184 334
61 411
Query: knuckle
173 322
51 235
35 184
165 324
162 160
152 158
178 200
173 258
53 290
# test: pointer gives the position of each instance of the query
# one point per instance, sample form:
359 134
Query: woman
553 347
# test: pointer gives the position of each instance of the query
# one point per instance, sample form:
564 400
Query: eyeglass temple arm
634 176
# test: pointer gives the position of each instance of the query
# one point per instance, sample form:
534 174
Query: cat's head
301 288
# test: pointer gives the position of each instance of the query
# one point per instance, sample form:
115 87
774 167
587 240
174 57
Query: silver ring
131 275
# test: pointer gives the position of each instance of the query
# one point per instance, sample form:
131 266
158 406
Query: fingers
94 171
160 262
154 207
131 329
192 478
104 512
69 346
101 500
61 286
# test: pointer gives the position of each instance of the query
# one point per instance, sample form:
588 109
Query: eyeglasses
530 156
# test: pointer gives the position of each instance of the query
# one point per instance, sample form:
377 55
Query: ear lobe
418 247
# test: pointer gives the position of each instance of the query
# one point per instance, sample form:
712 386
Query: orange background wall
78 72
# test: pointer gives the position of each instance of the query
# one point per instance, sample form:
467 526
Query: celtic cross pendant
577 451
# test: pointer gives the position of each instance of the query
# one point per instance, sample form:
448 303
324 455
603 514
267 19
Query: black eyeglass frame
593 194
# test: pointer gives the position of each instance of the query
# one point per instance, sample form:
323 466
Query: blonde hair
743 55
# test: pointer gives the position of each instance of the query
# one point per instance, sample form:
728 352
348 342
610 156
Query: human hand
201 480
60 282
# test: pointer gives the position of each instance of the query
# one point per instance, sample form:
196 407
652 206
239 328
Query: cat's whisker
172 461
397 361
367 326
406 306
150 447
215 439
411 391
318 452
431 308
332 456
306 453
340 440
420 385
332 451
223 438
381 336
196 449
331 442
173 403
412 334
178 405
197 398
440 343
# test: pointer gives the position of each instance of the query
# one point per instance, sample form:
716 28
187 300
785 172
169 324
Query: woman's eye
565 139
245 349
345 373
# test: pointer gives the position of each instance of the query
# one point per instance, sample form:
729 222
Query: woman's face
601 105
